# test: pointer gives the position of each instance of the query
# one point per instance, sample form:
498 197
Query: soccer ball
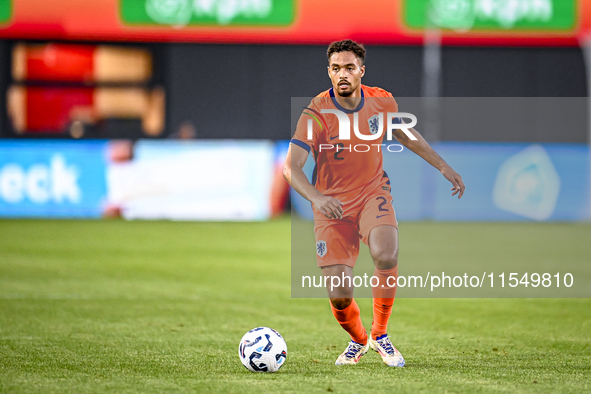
262 349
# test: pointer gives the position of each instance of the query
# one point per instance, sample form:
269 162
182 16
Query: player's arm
294 174
423 149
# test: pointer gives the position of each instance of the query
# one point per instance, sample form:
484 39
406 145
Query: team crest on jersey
321 248
374 124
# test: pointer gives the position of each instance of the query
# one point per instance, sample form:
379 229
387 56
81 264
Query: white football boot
390 355
352 353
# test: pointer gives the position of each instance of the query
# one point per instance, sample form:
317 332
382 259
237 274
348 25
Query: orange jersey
346 169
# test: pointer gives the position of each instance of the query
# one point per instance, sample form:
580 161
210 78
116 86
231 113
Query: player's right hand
329 207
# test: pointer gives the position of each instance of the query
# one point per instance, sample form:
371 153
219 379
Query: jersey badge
374 124
321 248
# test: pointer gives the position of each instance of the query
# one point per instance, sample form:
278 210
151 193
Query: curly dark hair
347 46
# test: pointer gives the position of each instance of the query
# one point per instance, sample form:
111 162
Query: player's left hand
455 179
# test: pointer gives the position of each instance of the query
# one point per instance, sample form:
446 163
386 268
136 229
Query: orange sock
350 320
383 300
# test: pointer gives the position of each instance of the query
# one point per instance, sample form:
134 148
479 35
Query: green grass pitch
96 306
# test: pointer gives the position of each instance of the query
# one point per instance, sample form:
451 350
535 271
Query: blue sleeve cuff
301 144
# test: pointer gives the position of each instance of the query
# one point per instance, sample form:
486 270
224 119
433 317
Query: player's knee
341 303
385 259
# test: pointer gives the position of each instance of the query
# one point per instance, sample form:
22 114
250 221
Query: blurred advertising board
492 15
5 10
504 182
177 180
193 180
203 13
242 180
462 22
52 178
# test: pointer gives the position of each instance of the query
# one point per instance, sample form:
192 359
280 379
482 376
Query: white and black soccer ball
262 349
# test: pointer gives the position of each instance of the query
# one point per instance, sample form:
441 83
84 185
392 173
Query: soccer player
350 192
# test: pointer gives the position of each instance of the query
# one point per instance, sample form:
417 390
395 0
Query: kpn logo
5 10
180 13
534 15
376 125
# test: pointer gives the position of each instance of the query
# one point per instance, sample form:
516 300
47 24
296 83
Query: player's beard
348 90
346 93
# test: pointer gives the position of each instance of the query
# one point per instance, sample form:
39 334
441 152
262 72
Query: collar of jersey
345 110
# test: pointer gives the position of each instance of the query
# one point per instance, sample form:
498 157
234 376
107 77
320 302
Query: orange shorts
337 240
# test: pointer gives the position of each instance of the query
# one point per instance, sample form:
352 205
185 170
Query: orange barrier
310 22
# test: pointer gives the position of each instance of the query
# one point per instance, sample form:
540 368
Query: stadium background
236 80
226 79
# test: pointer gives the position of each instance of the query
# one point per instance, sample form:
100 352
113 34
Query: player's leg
337 248
344 307
383 241
383 246
341 296
379 230
346 311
